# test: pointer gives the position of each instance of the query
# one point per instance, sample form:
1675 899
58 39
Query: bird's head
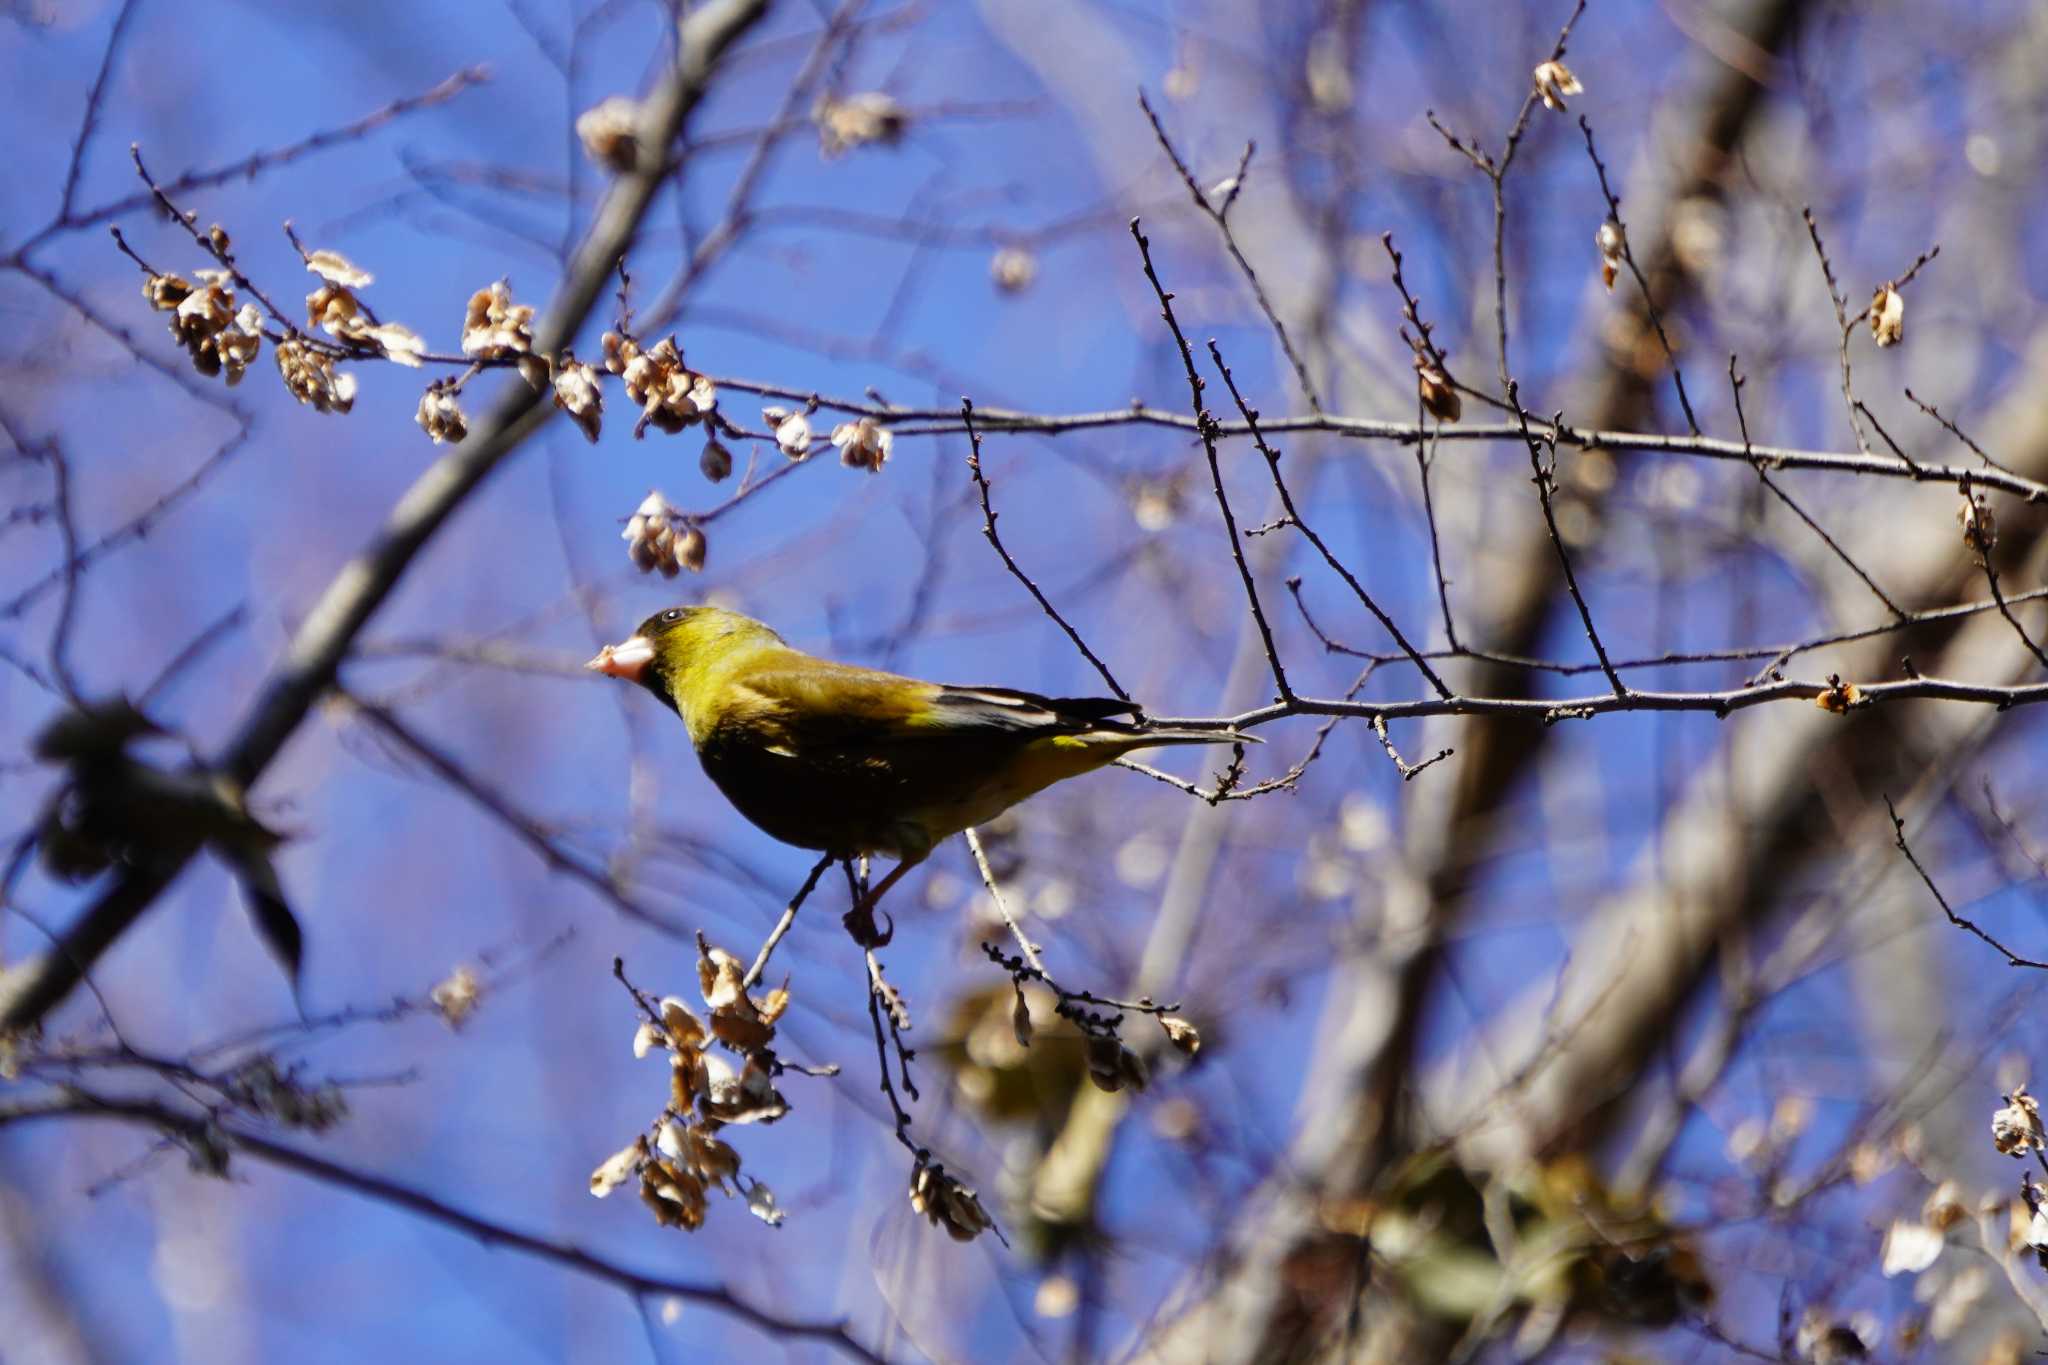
673 649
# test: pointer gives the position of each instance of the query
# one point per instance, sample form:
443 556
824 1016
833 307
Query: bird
854 762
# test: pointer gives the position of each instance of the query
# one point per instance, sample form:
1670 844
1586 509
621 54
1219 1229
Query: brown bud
1838 697
1438 397
716 461
1887 316
1612 244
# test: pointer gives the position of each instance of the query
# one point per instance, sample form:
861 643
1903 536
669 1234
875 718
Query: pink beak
628 659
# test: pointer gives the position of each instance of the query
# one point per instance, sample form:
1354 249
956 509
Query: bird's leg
860 921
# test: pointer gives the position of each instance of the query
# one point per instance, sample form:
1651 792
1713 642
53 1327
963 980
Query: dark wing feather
1006 708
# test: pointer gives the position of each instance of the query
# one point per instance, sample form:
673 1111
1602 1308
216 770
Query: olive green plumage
853 761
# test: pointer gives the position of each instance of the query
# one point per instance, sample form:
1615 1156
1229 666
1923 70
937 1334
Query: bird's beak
628 659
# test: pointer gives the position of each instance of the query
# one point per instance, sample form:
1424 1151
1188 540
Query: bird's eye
672 614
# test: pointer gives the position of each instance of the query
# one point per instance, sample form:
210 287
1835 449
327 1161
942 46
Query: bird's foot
860 922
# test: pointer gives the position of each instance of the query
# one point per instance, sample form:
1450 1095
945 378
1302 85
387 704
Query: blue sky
398 878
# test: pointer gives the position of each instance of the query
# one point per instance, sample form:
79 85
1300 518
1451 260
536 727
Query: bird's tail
1138 737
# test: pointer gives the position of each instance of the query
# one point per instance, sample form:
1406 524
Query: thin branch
1407 770
1294 518
95 102
528 830
1955 431
1899 838
936 422
215 631
753 975
1827 270
1735 384
1424 458
256 163
192 1130
1219 215
1628 255
1206 427
67 607
135 528
988 529
1980 541
1496 173
739 200
1542 477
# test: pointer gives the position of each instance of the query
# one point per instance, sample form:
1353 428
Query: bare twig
1899 838
1293 517
1407 770
1543 478
988 529
753 975
1219 214
1206 428
1496 173
210 1133
494 802
94 102
1628 255
1735 384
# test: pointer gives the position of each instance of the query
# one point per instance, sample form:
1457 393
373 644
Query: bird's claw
860 922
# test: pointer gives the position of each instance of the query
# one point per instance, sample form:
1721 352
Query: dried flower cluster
311 378
1823 1340
2029 1221
219 337
1013 269
1979 523
495 328
938 1194
610 133
440 416
456 997
335 309
669 395
858 120
1910 1245
1887 316
686 1158
657 538
792 431
2016 1129
577 394
1553 81
862 444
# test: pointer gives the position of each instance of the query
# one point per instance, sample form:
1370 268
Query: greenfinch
852 761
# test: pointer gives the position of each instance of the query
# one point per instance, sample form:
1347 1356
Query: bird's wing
1005 708
840 707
